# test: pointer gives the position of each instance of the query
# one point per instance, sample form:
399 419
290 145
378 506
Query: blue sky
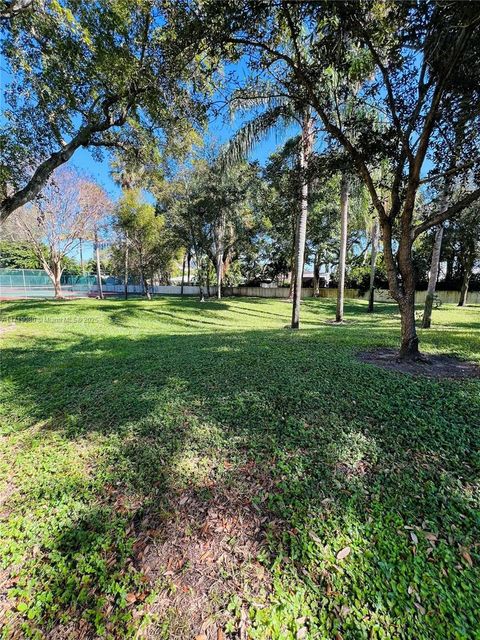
220 130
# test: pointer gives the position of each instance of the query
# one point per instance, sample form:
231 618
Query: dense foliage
18 255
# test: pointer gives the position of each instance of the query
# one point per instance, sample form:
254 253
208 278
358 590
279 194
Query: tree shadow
313 449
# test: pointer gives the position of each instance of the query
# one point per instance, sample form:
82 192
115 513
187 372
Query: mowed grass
121 419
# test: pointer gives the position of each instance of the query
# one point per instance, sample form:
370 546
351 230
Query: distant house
308 277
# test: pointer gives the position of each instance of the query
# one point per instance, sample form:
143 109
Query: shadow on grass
342 454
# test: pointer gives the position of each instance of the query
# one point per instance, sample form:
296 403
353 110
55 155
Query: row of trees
384 94
224 225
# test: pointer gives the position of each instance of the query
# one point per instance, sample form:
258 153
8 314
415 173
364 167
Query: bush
358 277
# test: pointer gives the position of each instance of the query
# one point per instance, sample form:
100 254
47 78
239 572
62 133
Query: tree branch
450 172
451 212
56 159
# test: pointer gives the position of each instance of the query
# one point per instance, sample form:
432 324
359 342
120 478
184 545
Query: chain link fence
35 283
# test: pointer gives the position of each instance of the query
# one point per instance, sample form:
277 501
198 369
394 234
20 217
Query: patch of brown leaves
204 552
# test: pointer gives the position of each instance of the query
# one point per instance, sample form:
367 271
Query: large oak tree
97 74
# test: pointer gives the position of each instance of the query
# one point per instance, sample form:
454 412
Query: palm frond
253 95
252 132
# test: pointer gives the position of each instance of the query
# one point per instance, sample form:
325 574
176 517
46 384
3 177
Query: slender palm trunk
99 274
126 266
316 275
220 232
292 258
432 281
218 268
344 193
373 262
183 274
305 150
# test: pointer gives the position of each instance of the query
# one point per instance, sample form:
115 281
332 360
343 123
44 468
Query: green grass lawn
175 469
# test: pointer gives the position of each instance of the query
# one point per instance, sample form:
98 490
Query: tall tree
306 146
150 247
282 109
97 206
210 208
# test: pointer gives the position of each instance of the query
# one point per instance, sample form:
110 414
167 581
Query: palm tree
306 144
344 199
281 110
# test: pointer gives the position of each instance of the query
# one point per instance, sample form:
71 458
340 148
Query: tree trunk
218 268
99 274
126 265
305 149
57 288
207 273
373 262
146 291
464 288
199 266
291 288
189 259
343 247
292 258
56 278
409 344
432 281
316 275
183 274
401 284
200 275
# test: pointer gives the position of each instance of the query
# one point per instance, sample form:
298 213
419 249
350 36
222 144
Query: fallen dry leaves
343 553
